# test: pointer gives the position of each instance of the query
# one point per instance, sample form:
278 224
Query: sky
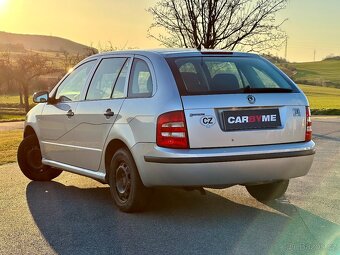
312 25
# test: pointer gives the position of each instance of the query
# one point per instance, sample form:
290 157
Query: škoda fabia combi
180 118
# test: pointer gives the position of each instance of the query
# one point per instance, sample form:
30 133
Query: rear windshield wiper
248 89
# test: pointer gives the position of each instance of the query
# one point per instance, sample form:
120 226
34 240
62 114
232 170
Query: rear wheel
29 160
269 191
126 187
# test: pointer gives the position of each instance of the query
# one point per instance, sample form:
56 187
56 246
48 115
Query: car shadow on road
327 137
84 221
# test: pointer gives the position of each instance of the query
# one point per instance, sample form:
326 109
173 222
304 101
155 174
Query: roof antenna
199 47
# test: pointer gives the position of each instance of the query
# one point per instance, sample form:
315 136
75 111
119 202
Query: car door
100 109
58 120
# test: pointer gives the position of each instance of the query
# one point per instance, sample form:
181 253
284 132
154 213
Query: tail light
308 136
172 130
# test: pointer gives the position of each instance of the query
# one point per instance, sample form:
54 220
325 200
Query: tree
7 75
5 69
69 60
248 25
28 68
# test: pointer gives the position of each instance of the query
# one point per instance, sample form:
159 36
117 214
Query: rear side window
219 75
140 83
105 78
119 89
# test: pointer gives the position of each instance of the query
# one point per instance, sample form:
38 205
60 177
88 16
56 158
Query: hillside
322 73
40 43
325 73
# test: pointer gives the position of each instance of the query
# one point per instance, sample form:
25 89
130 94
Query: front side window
218 75
71 88
140 83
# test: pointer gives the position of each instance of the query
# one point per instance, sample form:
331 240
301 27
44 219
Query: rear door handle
70 113
109 113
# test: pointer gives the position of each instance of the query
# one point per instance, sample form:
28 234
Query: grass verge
9 142
10 109
11 99
323 101
10 117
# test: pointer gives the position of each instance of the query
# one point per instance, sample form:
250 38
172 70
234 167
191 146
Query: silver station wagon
180 118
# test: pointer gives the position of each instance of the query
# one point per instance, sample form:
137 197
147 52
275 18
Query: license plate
251 119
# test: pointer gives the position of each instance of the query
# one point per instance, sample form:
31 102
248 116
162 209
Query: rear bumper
222 166
227 158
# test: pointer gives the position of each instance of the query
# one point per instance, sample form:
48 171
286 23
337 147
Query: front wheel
126 187
269 191
29 160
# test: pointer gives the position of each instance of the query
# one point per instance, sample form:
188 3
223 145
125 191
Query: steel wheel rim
123 182
34 159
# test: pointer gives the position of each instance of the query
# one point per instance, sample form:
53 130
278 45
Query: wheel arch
29 130
110 150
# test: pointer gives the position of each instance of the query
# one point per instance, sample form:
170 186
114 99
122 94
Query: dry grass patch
9 142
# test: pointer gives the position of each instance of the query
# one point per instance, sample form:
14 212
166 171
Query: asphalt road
8 126
75 215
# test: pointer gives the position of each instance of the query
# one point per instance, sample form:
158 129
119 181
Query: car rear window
220 75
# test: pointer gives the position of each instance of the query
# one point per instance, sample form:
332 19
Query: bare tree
7 74
225 24
5 68
28 68
108 46
90 50
70 60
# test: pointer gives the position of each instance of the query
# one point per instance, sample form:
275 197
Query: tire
268 192
29 160
126 187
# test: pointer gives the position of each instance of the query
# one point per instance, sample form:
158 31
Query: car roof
179 52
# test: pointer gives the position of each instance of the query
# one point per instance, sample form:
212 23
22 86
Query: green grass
322 73
10 117
11 100
10 109
323 100
9 142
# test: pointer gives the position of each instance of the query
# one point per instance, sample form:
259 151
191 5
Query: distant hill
275 59
321 73
325 73
19 42
332 58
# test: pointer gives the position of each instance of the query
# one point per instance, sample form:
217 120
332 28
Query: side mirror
40 97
